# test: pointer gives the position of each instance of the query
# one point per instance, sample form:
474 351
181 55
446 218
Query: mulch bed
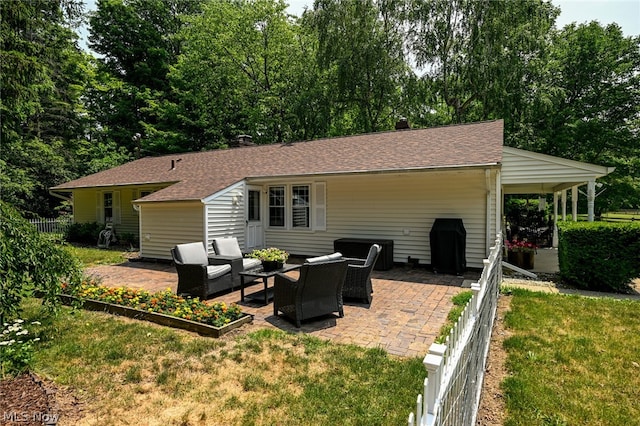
29 400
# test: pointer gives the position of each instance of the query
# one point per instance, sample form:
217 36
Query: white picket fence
455 369
56 225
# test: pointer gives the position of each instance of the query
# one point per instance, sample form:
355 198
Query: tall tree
41 81
476 54
138 42
360 44
588 105
239 73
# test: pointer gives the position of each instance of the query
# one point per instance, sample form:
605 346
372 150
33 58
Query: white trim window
277 209
108 207
297 206
300 206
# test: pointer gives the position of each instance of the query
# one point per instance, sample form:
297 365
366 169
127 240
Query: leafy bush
84 233
31 264
599 255
128 239
16 348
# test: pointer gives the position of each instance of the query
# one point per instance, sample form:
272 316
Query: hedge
598 255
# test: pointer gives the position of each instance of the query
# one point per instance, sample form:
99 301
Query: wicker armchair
227 252
318 291
195 276
357 284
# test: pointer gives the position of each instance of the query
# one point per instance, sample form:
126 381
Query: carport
526 172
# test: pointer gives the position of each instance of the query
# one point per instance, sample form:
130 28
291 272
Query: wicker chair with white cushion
227 252
196 277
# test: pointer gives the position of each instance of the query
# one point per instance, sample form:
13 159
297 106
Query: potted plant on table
272 258
521 253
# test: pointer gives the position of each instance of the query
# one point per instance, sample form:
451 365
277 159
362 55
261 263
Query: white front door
255 231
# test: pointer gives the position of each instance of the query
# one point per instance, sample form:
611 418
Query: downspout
487 180
499 203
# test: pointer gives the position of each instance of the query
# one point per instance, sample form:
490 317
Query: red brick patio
408 309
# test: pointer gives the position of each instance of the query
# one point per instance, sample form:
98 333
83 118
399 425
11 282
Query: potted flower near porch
521 253
272 258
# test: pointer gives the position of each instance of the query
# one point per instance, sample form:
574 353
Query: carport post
554 242
574 203
591 198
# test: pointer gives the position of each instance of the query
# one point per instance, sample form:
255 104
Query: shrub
31 264
128 239
84 233
16 348
599 255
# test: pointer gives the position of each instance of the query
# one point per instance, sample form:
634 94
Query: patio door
255 230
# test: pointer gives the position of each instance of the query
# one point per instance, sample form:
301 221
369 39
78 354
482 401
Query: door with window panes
254 233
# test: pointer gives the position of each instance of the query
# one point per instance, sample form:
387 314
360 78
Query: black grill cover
448 240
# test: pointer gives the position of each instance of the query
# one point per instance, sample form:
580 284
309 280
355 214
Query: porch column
591 198
574 203
555 220
564 204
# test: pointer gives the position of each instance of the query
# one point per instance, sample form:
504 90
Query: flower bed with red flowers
521 246
144 305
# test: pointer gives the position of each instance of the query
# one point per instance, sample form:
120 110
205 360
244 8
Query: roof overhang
270 178
526 172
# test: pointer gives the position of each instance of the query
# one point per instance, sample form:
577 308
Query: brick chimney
402 124
240 141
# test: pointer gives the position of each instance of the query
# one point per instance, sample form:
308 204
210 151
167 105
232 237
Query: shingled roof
197 175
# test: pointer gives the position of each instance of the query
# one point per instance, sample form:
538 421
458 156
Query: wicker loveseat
317 291
196 277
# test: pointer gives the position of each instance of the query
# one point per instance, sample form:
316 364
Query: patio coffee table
267 293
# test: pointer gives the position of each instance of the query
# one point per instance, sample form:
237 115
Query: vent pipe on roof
174 162
402 124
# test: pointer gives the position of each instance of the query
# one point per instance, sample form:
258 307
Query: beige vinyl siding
401 207
86 206
224 218
167 224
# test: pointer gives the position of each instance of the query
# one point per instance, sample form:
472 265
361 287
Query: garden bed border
156 317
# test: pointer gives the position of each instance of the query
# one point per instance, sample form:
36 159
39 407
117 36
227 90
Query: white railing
56 225
455 369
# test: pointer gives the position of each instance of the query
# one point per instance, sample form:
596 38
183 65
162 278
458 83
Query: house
303 196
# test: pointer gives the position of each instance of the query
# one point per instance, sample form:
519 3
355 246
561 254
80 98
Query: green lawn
126 369
573 361
91 256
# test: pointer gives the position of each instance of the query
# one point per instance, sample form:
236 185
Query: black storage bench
359 248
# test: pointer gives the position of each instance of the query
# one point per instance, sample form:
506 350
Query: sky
626 13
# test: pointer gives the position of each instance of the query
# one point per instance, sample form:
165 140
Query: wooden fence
56 225
455 369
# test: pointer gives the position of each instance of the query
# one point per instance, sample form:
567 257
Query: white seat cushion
325 258
249 263
215 271
192 253
227 247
